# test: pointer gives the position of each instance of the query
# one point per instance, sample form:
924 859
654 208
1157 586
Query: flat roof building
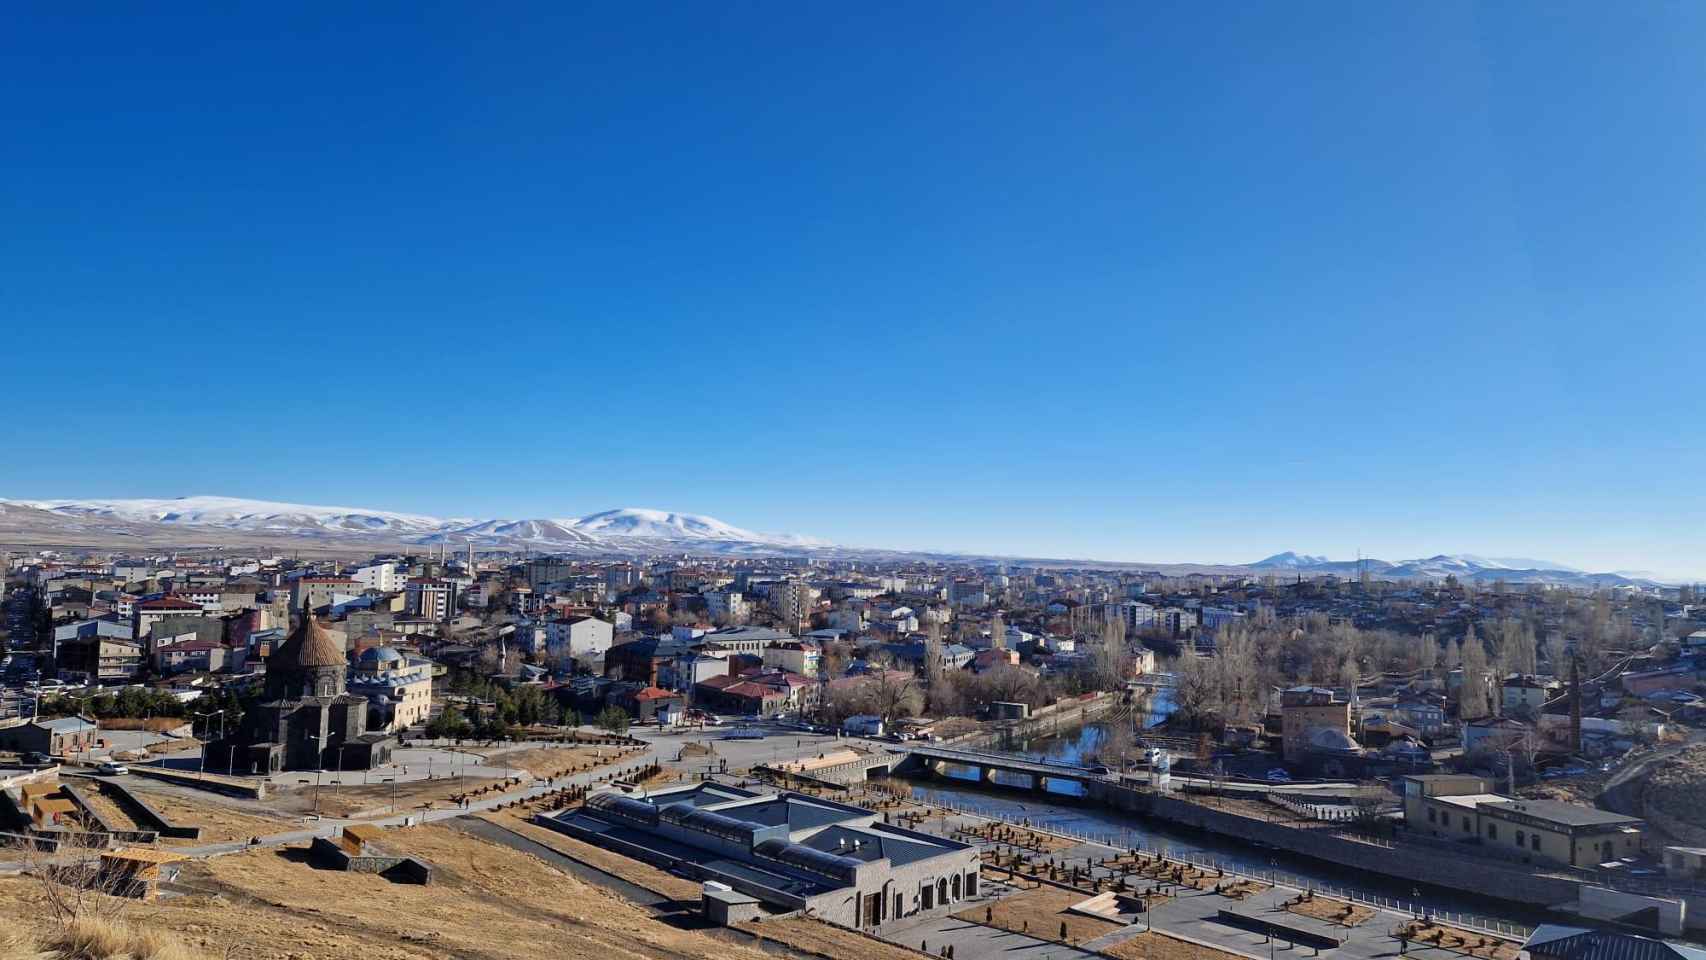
1458 808
787 851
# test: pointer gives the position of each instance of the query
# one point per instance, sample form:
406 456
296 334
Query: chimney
1575 704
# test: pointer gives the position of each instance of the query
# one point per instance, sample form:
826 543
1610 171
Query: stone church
307 718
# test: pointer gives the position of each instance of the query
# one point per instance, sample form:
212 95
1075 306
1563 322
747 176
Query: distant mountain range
1463 566
218 521
229 522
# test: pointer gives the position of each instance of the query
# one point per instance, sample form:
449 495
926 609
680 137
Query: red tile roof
168 603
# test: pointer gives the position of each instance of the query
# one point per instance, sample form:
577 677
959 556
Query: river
1062 808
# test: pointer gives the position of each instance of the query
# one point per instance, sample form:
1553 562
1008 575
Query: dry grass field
815 936
1159 946
1461 941
1040 912
486 902
218 821
1341 912
636 872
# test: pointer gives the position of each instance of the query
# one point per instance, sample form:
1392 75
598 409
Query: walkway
329 827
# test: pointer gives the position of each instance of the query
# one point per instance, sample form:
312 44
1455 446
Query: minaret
470 554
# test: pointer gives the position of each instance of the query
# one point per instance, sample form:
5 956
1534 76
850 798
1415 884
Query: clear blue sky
1126 280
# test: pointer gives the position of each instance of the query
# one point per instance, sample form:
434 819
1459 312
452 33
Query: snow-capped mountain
233 522
1290 559
1463 566
610 530
237 514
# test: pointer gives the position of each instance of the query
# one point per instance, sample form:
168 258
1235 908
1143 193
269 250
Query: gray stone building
307 719
783 852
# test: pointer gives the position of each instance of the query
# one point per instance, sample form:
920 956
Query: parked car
1276 775
112 768
1100 771
35 758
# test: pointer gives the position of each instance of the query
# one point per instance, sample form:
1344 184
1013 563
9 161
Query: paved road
974 940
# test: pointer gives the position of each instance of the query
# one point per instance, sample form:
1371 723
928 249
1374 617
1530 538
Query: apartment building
430 598
378 576
312 593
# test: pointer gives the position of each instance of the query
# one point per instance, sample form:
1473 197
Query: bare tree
1236 674
69 873
1119 744
1196 691
1427 653
1557 653
1472 700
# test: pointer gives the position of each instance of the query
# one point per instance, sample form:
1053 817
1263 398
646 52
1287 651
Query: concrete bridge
1041 773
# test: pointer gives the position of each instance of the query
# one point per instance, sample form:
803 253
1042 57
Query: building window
1468 825
1431 817
1519 838
1534 841
1492 832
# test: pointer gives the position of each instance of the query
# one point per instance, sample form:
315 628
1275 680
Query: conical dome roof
310 646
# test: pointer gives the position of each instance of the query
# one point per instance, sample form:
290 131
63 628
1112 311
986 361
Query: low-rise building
398 689
1525 695
1459 808
1313 721
786 852
57 737
1551 941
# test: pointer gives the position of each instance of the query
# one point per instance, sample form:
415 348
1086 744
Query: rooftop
1569 814
1470 801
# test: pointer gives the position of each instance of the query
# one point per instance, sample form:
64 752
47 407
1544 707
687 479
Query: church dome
312 645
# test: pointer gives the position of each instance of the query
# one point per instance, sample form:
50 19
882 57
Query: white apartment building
803 657
212 599
378 576
1213 618
1137 616
729 605
578 637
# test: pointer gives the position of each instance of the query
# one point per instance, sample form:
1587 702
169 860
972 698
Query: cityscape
1087 481
847 754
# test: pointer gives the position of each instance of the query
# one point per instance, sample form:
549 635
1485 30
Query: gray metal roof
1558 942
1569 814
66 725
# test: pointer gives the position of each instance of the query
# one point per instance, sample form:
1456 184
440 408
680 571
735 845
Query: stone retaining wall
1438 868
